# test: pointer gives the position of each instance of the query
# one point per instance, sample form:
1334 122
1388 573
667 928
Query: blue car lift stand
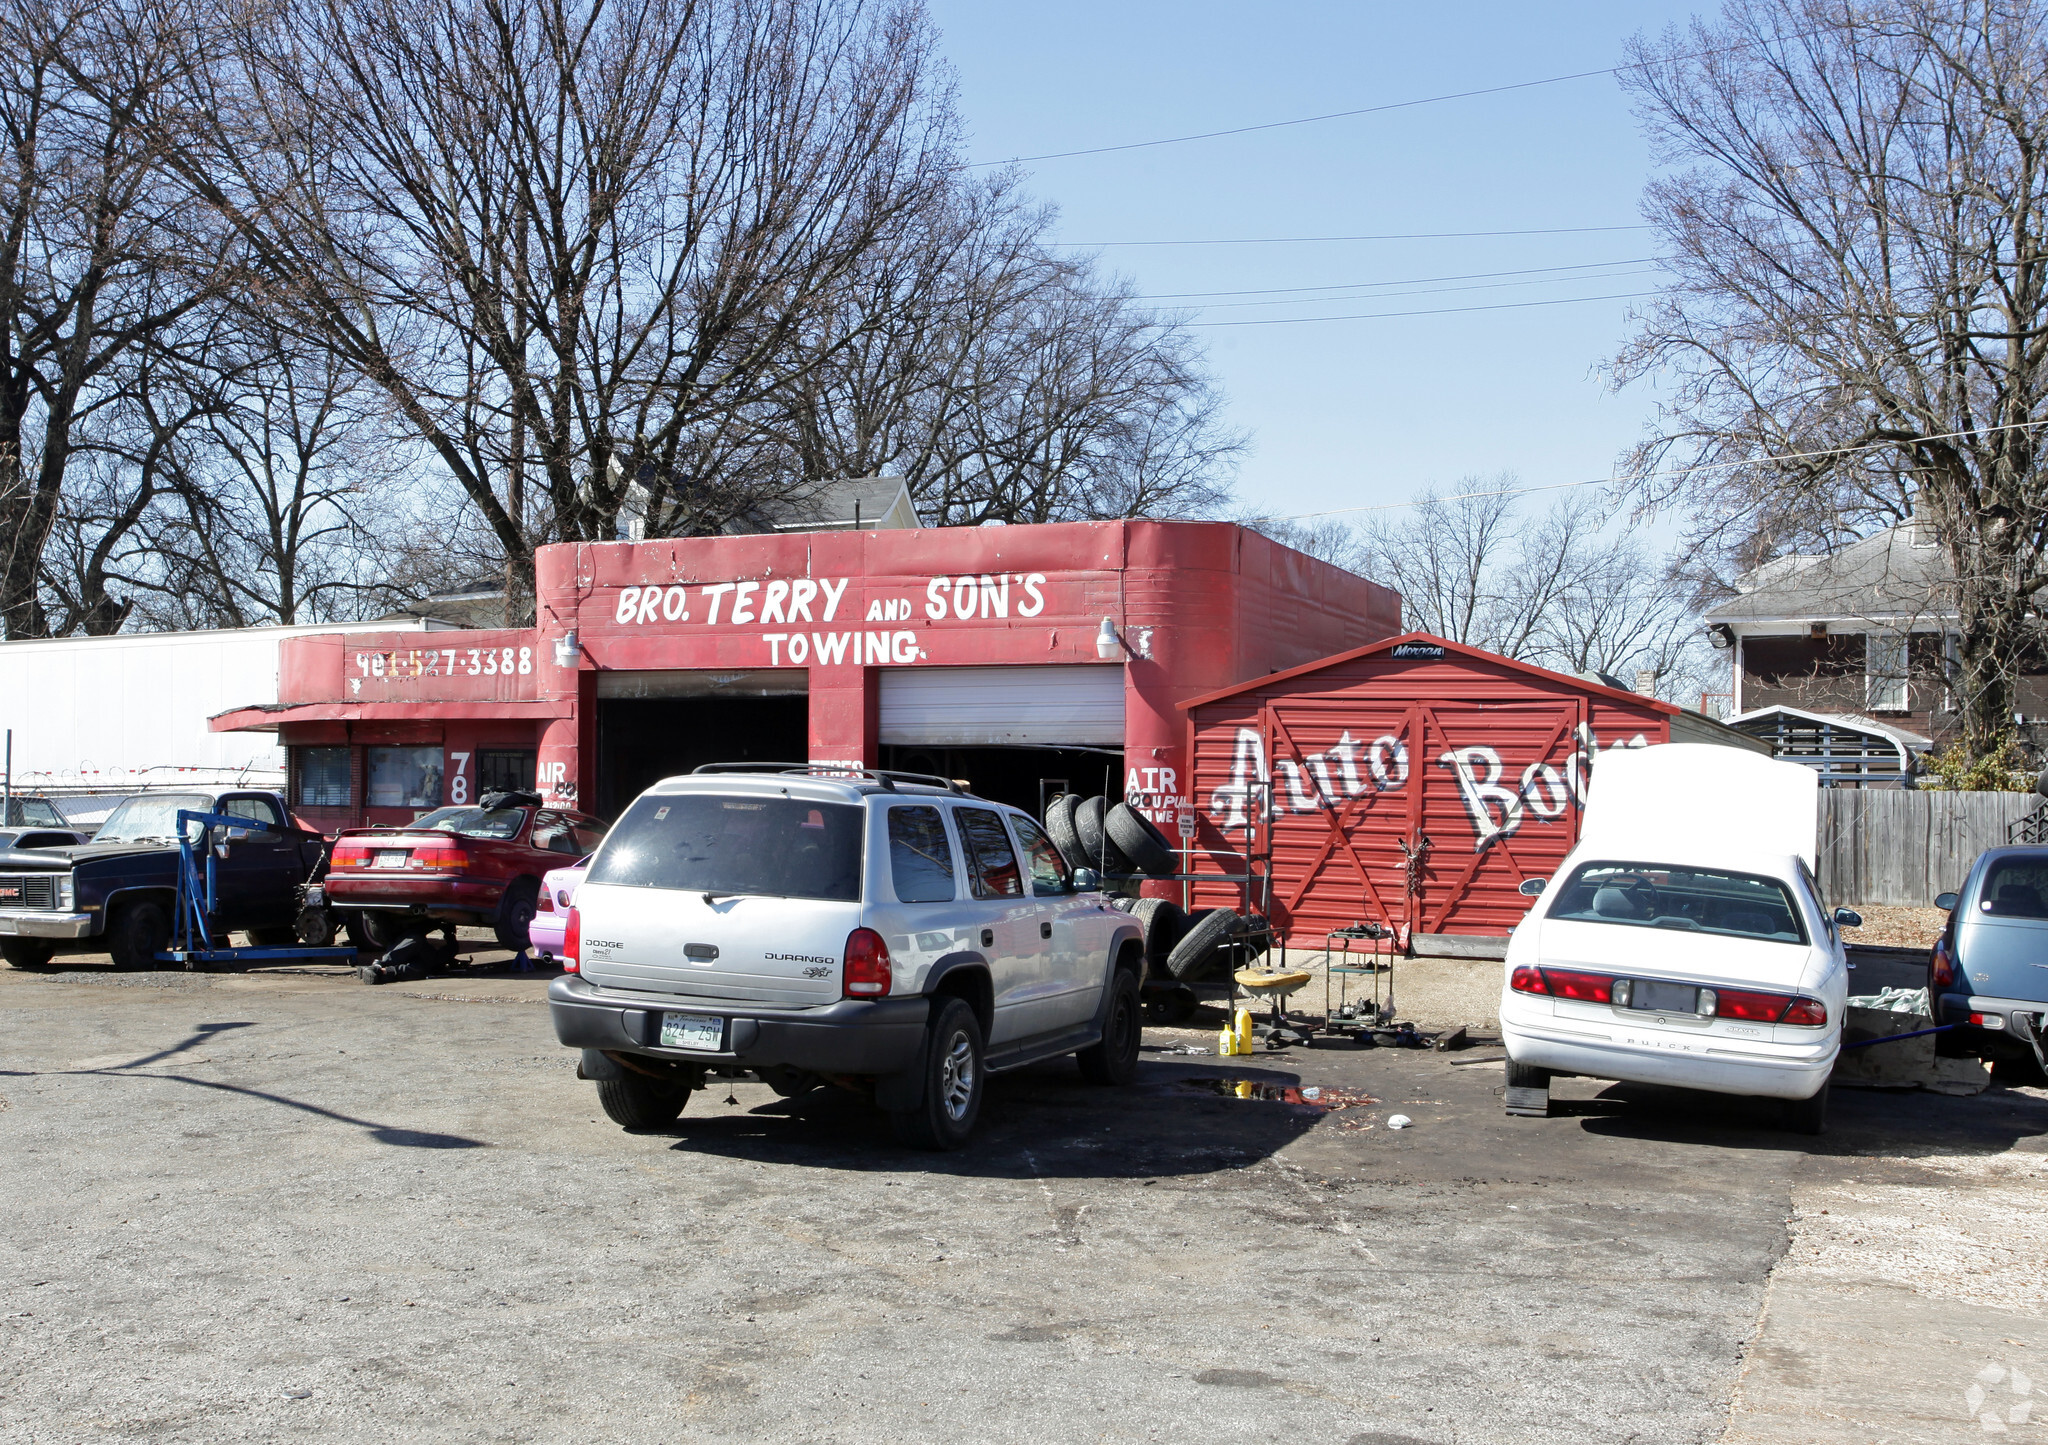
197 900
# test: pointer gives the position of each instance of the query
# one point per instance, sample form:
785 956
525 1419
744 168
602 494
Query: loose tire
1059 826
1808 1116
384 931
1162 921
638 1102
139 932
1115 1059
515 914
1134 836
1198 947
954 1081
27 953
1097 851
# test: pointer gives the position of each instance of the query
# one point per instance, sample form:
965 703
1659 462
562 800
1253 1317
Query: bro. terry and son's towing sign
806 608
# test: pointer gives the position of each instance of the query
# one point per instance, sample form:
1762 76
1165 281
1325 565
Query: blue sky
1349 413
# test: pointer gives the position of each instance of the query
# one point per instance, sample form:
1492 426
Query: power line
1427 291
1408 281
1311 240
1649 476
1440 311
1363 110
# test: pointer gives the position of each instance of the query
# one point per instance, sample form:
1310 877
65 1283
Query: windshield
474 822
778 847
1685 900
150 817
33 812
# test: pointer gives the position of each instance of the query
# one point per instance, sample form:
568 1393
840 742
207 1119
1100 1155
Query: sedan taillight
350 857
1527 980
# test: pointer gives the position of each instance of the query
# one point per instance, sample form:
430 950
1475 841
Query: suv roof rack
887 777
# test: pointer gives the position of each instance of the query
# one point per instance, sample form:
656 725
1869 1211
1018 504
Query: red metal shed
1414 782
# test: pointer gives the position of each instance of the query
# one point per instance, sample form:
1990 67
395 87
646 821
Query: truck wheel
1808 1116
137 934
953 1081
515 914
27 953
1115 1059
638 1102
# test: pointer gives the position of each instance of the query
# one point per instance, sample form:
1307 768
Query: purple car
557 891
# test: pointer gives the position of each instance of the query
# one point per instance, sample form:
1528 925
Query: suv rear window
1685 900
768 847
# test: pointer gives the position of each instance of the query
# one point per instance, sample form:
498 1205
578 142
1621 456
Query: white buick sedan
1682 949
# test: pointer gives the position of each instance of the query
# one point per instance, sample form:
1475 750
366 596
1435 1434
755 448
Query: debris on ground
1399 1121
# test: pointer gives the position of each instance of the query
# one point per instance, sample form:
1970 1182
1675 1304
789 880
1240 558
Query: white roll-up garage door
1022 706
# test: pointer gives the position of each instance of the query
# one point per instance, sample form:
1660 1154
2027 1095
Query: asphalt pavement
244 1206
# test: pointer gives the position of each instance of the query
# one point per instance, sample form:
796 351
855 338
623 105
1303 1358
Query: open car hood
1702 797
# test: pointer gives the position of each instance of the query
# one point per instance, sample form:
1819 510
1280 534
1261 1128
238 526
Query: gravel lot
242 1206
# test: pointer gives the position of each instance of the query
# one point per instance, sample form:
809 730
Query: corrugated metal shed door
1023 706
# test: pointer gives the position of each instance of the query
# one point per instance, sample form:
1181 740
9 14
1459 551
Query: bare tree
565 238
1857 327
85 282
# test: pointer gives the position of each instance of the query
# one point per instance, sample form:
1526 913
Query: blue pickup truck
115 894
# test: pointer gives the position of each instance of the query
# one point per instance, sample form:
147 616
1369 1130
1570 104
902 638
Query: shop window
404 777
321 777
504 770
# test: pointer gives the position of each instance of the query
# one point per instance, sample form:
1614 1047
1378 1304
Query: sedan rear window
1685 900
2017 888
772 847
500 823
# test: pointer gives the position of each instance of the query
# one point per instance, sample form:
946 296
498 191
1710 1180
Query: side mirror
1848 918
1532 887
1087 880
1946 902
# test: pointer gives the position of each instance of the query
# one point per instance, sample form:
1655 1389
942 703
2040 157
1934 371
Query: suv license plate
1667 998
692 1031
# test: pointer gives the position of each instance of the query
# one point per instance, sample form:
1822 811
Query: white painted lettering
650 604
1484 794
830 647
629 600
675 604
875 649
715 593
935 598
875 612
1539 779
799 648
775 641
966 596
801 592
832 596
1169 780
1345 751
1387 759
1036 605
995 596
903 645
743 602
771 603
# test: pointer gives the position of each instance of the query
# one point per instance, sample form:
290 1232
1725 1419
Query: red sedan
479 865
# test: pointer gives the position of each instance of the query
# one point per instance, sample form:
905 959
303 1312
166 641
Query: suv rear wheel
638 1102
1115 1059
953 1081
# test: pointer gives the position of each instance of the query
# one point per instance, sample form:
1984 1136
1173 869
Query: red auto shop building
1020 658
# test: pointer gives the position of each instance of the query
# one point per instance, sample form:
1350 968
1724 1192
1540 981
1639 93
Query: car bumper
1641 1054
852 1036
2022 1019
414 894
22 924
545 933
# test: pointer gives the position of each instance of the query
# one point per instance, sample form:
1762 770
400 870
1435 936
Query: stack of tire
1120 840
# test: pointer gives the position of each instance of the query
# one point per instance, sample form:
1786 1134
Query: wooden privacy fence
1883 845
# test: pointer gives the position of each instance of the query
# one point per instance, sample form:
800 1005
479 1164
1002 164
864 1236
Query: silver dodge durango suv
879 930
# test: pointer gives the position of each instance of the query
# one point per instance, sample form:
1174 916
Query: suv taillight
866 974
572 942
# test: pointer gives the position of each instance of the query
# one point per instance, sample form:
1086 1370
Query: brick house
1865 635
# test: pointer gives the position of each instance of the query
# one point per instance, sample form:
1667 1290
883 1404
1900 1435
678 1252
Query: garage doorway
1021 777
654 725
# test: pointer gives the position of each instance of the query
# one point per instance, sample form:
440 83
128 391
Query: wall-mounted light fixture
1721 636
1107 643
567 649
